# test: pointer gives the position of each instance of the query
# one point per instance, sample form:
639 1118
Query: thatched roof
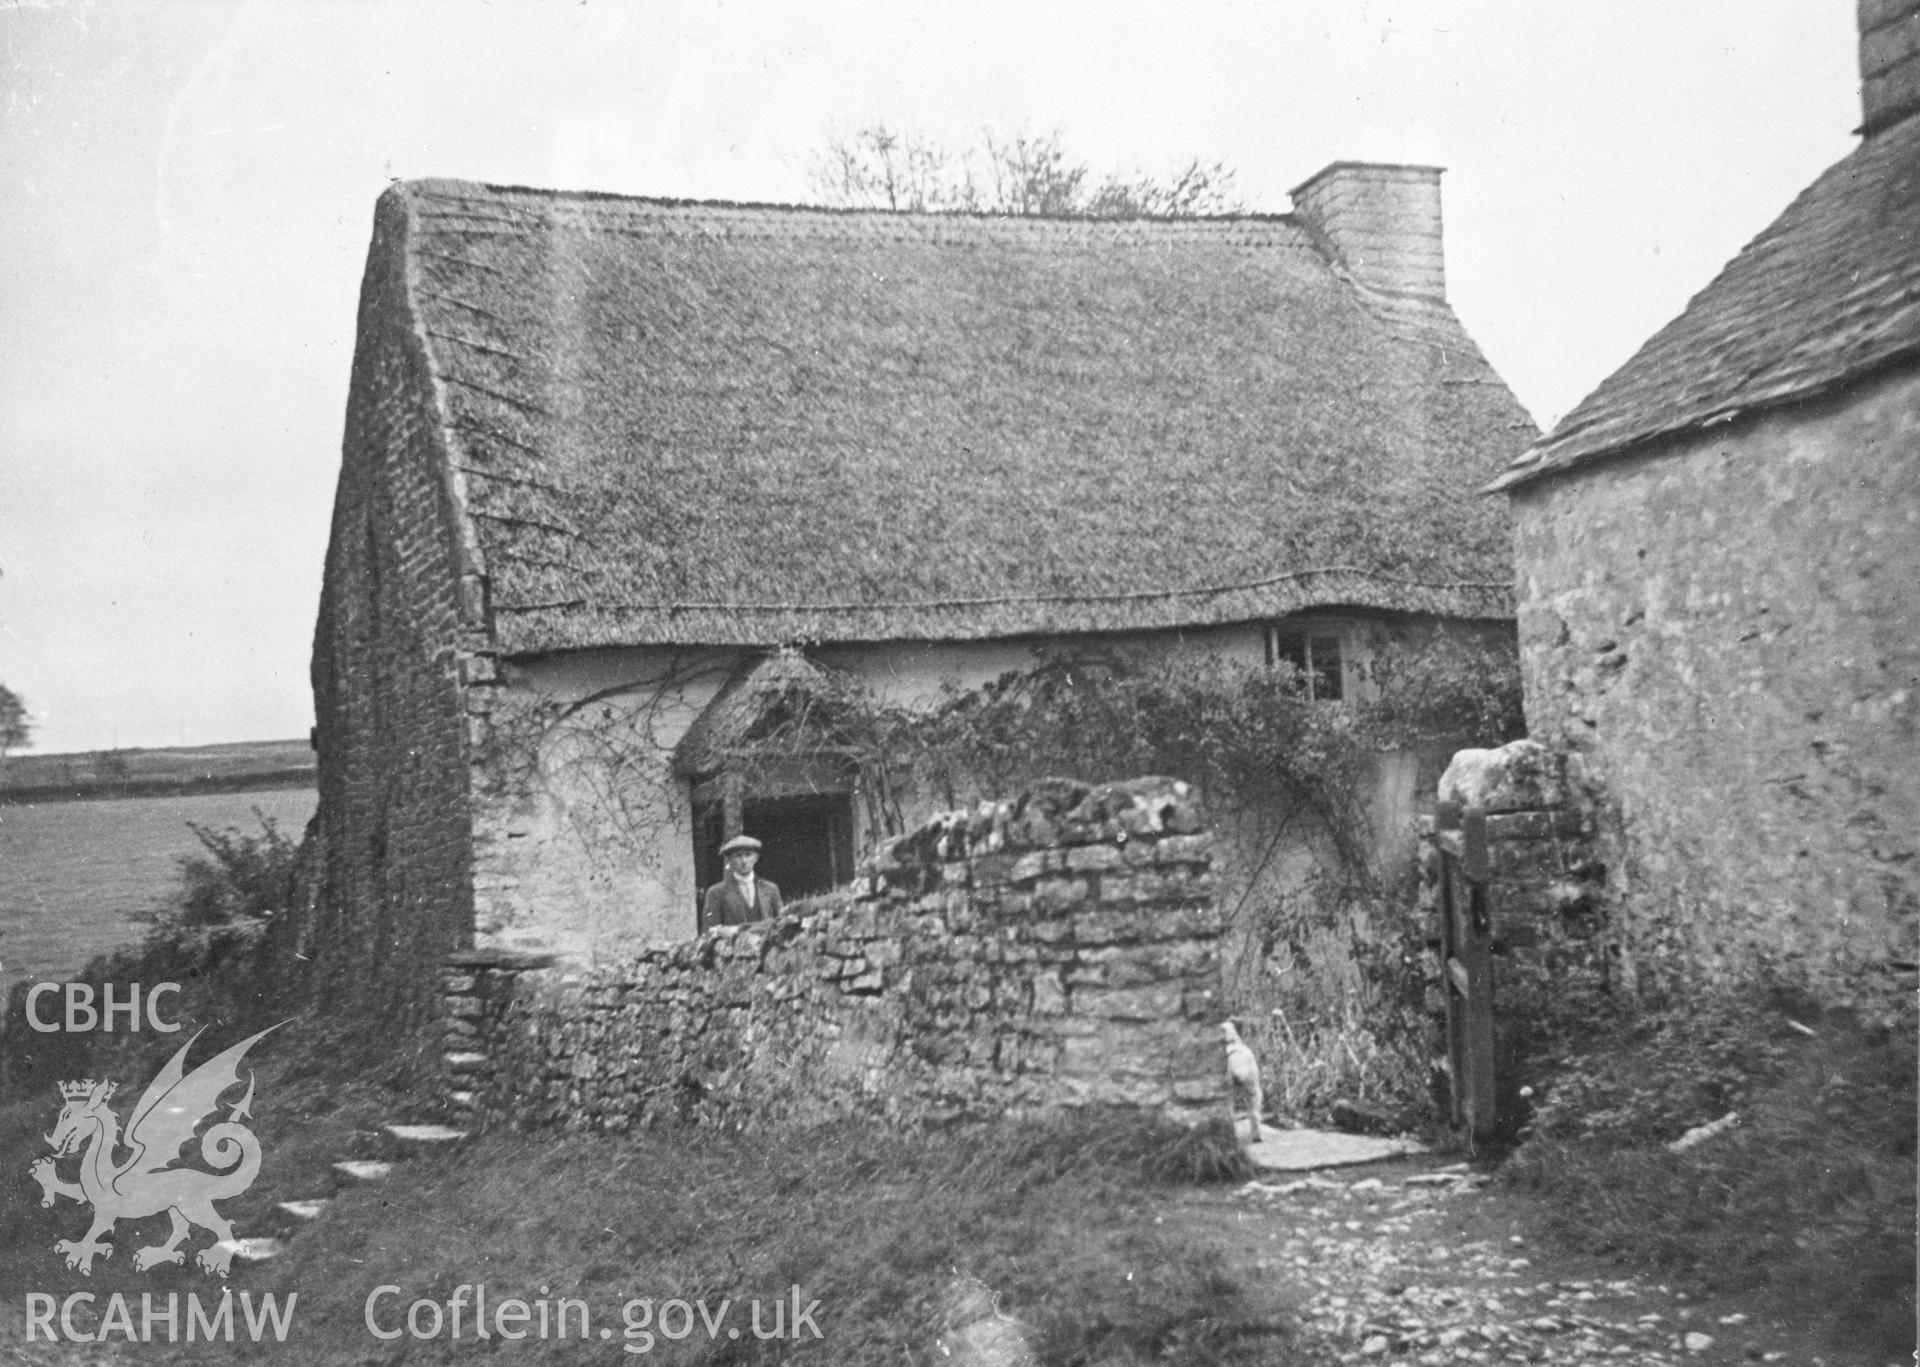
1828 294
736 424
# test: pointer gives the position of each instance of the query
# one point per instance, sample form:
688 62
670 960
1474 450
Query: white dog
1243 1075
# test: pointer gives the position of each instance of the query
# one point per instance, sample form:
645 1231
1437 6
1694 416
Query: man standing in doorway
739 897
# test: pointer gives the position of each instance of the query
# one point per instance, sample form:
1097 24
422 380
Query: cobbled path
1416 1269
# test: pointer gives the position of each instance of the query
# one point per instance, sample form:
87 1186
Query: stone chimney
1889 63
1381 222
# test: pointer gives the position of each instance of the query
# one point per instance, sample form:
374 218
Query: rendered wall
1726 635
582 834
1059 949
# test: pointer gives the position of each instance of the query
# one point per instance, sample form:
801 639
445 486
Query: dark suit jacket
724 906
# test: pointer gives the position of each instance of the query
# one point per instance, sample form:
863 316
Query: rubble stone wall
393 644
1058 949
1554 949
1724 633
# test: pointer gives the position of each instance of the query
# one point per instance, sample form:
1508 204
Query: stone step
364 1169
464 1100
1280 1150
425 1134
252 1250
464 1062
305 1210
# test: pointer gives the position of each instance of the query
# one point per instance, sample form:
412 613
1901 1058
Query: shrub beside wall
1058 949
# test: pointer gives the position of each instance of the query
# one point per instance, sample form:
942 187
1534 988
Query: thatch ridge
696 422
843 211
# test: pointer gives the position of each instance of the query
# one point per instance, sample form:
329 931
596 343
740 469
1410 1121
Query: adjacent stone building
627 481
1718 556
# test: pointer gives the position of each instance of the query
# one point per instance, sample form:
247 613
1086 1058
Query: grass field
72 873
239 765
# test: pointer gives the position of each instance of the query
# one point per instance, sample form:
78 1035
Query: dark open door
808 840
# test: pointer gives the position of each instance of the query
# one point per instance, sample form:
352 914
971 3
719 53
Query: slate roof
1829 293
677 422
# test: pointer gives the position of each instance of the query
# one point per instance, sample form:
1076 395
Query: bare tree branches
1024 173
878 167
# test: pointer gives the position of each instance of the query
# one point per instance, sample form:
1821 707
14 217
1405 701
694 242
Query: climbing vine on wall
1280 772
598 759
1325 966
1248 734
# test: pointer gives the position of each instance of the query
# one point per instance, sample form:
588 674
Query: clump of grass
1113 1143
1030 1238
1339 1059
1333 1006
1811 1194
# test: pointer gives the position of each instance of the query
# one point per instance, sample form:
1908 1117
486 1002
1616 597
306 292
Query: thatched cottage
1718 553
605 457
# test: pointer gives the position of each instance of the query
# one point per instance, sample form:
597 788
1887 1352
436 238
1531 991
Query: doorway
807 840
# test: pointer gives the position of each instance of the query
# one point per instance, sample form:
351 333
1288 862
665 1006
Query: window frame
1312 640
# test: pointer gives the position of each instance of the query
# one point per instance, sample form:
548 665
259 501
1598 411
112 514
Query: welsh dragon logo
146 1182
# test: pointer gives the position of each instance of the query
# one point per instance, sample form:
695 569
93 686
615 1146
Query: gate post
1510 875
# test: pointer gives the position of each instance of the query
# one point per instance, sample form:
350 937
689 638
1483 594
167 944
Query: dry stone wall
1058 949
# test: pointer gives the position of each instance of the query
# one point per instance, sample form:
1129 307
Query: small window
1316 655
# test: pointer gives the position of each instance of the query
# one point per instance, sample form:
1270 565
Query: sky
187 189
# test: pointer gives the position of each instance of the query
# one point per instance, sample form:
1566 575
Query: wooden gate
1459 836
